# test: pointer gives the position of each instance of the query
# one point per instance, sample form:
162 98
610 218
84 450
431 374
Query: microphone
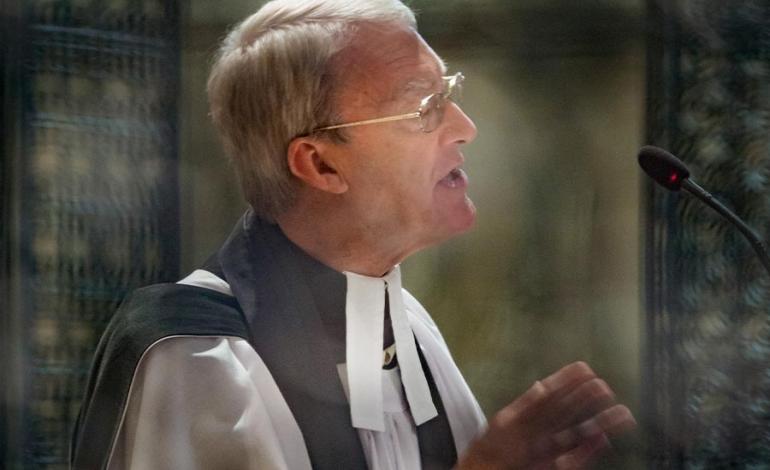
669 172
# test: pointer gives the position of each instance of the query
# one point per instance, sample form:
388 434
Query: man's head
392 186
274 79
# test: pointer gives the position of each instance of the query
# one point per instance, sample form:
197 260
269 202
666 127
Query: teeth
451 178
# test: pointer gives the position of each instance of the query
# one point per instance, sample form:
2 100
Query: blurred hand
561 422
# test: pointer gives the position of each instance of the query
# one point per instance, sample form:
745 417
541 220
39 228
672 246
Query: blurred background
113 178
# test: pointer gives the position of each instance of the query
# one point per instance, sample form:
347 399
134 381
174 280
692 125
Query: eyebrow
424 83
420 84
417 84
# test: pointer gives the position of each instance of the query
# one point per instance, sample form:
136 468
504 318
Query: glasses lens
455 88
432 108
432 112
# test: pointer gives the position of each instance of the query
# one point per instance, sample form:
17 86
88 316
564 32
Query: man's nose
459 128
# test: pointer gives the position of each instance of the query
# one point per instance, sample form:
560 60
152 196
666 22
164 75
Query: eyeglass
430 112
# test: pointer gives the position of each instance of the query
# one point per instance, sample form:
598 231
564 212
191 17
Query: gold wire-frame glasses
430 112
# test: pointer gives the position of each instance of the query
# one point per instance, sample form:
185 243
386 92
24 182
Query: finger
534 408
612 421
589 399
584 455
569 376
533 396
552 445
543 407
553 387
526 422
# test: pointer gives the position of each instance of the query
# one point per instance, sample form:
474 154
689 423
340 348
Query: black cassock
289 307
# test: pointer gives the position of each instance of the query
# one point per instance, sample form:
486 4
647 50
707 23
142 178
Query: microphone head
667 170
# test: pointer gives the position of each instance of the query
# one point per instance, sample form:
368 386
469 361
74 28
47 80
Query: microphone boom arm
756 242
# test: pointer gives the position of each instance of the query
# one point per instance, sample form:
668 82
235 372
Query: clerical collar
365 315
363 312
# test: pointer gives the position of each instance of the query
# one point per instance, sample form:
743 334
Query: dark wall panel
708 330
92 209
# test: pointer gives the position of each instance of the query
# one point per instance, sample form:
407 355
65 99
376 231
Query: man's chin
466 226
466 217
460 220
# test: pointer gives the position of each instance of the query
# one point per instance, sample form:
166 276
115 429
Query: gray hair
273 81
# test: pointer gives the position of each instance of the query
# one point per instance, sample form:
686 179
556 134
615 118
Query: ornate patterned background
708 338
90 183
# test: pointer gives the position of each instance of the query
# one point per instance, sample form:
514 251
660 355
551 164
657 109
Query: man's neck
338 243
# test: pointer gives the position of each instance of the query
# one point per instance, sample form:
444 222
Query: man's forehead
395 48
392 60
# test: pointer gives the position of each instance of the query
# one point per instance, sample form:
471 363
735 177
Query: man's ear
309 161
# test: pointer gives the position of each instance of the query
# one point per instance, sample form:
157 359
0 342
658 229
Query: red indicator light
673 178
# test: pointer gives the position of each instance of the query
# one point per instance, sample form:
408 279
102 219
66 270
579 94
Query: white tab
412 376
365 317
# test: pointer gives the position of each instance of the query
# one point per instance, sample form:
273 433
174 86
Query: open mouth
455 179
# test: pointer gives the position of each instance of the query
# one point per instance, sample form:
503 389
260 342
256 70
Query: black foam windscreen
663 167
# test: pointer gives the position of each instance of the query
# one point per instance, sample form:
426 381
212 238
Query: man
296 347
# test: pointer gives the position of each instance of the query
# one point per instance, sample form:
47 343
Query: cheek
414 167
413 190
397 170
402 197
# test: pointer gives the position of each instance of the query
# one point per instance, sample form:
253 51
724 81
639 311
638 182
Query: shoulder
201 399
145 317
158 311
207 369
175 309
160 298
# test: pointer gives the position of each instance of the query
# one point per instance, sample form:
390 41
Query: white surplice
210 402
